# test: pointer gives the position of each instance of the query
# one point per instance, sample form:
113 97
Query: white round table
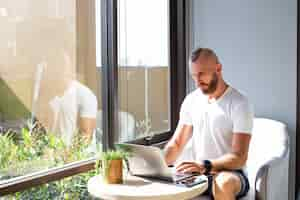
139 188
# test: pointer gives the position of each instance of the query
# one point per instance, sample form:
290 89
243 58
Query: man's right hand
175 146
190 167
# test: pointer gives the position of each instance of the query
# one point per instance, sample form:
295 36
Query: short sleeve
185 117
242 117
88 104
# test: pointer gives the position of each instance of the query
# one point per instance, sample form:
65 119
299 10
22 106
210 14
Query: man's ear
218 67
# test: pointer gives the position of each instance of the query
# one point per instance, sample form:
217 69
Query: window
143 68
48 85
47 47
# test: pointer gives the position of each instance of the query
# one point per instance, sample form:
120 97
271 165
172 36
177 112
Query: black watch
208 166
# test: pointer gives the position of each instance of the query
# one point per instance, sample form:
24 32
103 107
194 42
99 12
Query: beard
211 86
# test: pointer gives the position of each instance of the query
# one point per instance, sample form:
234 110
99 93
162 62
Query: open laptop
149 162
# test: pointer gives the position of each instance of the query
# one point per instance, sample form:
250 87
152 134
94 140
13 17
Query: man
219 120
75 110
61 104
74 106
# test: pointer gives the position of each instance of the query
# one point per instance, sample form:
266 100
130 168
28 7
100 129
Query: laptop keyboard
179 176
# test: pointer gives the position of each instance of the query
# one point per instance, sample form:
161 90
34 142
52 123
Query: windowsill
19 183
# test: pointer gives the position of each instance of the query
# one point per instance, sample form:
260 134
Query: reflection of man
74 105
61 103
77 102
219 120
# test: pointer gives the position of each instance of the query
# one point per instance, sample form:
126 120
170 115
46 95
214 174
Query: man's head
205 70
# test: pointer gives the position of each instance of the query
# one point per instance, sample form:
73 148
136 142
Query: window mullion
109 73
178 61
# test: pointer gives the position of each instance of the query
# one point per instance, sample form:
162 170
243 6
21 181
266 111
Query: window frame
296 184
178 32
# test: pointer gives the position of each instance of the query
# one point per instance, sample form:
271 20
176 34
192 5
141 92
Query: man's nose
197 82
197 79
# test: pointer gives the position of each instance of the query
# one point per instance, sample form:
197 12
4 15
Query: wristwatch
208 166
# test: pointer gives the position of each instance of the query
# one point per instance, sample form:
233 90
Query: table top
141 188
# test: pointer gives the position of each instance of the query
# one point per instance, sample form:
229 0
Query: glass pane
74 188
48 84
143 63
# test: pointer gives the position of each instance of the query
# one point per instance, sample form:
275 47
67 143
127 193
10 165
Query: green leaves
8 150
114 155
104 159
74 187
26 136
35 150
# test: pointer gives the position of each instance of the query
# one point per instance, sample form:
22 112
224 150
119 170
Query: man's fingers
184 163
187 162
183 167
191 169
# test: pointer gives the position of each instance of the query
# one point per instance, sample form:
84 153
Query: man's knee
226 183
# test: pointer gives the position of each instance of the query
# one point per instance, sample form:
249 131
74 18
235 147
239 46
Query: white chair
126 125
268 161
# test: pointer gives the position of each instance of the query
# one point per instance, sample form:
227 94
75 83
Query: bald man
218 119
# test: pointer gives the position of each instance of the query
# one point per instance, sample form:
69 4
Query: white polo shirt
215 121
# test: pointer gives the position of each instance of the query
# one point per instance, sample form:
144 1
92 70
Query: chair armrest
271 182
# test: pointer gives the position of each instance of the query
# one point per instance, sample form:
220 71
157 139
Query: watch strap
208 166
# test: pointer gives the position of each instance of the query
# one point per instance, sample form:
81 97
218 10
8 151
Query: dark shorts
244 184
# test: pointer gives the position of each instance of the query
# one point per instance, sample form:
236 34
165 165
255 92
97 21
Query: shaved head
204 54
205 69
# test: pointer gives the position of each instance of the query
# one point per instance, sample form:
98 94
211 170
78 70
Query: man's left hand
190 167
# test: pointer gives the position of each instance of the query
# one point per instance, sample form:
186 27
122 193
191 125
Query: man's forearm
87 127
175 146
230 161
171 152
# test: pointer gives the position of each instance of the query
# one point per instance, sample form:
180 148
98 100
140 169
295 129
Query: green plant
108 156
70 188
8 150
110 165
27 152
114 155
34 149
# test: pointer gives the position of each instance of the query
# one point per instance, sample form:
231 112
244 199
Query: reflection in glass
48 84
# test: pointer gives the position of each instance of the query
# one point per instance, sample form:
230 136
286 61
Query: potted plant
110 166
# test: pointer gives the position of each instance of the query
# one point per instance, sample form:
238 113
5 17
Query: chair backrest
269 140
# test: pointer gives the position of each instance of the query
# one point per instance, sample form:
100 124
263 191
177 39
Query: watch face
208 166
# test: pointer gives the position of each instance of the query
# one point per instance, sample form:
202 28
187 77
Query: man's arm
87 126
175 146
238 156
236 159
87 112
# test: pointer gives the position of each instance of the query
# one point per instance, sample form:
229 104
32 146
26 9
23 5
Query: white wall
256 42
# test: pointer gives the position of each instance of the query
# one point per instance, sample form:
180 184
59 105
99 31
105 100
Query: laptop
149 162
